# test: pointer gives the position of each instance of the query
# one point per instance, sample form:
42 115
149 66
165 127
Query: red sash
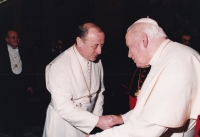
197 127
139 81
132 102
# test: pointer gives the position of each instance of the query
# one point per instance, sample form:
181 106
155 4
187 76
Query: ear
6 39
79 41
144 38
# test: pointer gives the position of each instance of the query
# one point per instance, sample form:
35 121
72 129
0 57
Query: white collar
79 55
11 49
158 52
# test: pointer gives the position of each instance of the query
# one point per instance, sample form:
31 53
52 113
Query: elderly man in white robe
75 81
168 103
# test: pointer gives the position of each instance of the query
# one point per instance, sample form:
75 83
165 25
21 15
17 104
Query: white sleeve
136 128
126 116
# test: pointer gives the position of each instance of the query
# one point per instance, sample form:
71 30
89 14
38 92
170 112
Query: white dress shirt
15 61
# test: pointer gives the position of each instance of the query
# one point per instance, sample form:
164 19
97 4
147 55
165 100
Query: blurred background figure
60 46
186 38
15 79
50 53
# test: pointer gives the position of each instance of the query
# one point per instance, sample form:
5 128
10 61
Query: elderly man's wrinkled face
92 45
137 51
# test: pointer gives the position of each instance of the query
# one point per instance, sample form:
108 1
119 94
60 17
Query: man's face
92 44
186 40
12 39
137 51
60 45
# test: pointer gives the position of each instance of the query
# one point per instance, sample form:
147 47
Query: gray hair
151 30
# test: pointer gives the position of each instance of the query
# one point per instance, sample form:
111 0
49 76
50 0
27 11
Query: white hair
147 26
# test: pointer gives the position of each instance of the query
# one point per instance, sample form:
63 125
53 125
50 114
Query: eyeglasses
14 37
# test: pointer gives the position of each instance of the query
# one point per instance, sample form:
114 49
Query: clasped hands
109 121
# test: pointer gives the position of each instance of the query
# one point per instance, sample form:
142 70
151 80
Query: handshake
109 121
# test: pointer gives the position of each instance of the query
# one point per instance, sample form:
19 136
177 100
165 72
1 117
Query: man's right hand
104 121
117 120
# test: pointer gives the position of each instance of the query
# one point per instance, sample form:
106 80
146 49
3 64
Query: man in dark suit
14 77
60 46
50 53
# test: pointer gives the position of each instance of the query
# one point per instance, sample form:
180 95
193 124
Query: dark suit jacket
50 55
13 87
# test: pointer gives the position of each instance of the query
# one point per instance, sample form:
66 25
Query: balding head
83 30
89 41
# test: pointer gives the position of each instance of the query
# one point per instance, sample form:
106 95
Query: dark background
40 21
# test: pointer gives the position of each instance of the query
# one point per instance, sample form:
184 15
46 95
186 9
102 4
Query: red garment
132 102
197 127
136 83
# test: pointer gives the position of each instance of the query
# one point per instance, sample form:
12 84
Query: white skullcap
146 20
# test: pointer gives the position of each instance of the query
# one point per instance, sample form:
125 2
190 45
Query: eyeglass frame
14 37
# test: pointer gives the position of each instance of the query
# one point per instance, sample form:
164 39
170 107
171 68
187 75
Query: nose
129 54
98 50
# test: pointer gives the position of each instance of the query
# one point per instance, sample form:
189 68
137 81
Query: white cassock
169 97
70 113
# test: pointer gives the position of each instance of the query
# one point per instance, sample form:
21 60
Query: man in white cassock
75 82
168 103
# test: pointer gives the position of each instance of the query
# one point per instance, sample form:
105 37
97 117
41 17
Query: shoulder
177 52
3 51
3 47
63 60
179 49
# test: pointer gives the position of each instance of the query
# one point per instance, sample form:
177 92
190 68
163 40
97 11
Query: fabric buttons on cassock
88 71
